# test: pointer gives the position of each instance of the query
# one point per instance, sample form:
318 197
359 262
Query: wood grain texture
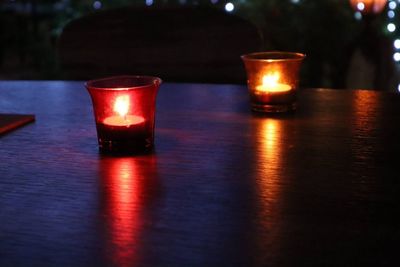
224 187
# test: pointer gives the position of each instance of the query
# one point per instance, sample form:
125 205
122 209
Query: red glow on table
122 177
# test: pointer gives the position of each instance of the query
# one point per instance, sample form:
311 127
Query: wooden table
320 187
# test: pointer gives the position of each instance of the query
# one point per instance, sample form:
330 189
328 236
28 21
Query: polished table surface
224 187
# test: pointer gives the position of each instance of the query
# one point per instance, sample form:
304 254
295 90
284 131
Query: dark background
344 49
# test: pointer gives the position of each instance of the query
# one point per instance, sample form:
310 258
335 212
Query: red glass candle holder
272 80
124 111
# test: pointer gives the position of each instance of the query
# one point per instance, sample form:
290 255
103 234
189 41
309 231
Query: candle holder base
125 147
273 108
124 140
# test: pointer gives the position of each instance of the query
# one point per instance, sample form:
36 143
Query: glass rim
92 84
273 56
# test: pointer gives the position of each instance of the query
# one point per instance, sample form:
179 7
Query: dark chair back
177 44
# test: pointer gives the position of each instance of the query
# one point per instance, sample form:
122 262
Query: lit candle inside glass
121 107
271 84
272 80
124 109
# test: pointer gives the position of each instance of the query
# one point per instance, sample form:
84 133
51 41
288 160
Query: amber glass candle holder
368 7
124 111
272 80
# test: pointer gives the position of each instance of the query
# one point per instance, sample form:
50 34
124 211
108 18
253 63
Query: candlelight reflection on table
272 79
129 184
123 213
270 161
269 172
363 124
124 108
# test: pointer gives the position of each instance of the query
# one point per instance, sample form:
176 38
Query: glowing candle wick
121 105
270 80
270 83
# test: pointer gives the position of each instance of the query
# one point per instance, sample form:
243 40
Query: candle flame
271 83
121 105
271 80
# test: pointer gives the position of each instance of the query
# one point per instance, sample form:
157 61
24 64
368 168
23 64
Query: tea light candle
270 84
124 111
272 79
123 128
129 120
273 91
121 107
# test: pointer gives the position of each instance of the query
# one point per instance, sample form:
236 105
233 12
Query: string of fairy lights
360 7
391 27
391 11
390 7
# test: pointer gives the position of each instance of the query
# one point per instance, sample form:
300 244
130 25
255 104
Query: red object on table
9 122
124 109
